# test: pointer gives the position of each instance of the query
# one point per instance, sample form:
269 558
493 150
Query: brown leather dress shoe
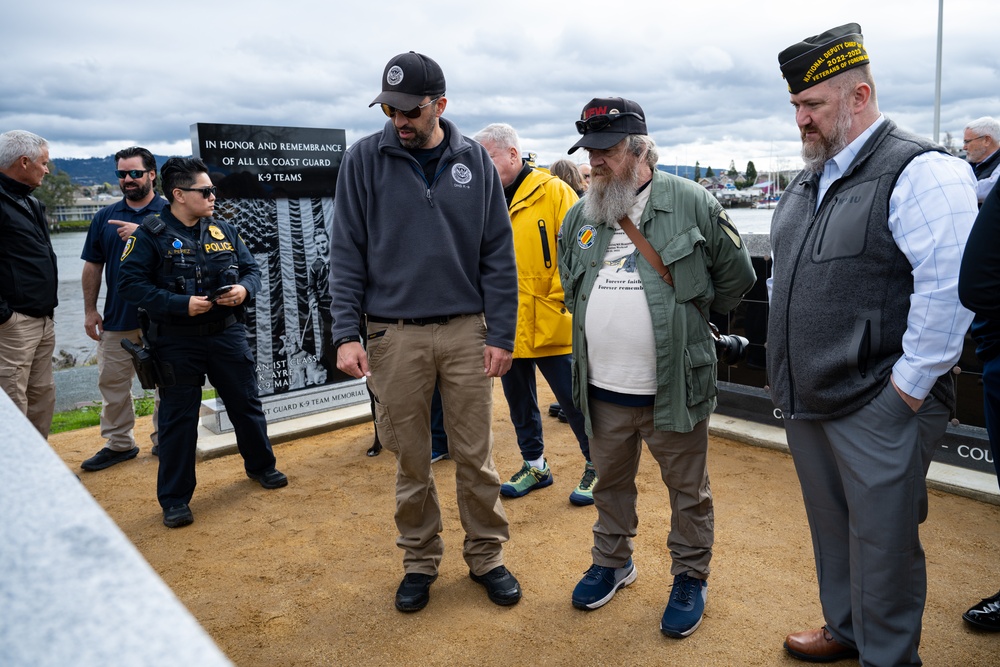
817 646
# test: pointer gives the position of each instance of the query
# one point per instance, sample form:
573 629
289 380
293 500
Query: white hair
19 143
500 135
986 127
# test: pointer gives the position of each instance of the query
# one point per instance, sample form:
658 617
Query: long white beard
610 199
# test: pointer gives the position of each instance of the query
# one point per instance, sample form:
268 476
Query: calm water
71 339
751 221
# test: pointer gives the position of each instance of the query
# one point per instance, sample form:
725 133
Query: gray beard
609 200
816 155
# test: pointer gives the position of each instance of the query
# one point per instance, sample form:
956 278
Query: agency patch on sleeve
128 247
730 229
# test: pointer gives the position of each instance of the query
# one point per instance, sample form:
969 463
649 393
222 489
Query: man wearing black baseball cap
422 249
864 328
643 353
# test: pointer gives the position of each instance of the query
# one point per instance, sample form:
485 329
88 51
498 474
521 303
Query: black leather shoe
554 409
177 516
500 585
985 615
108 457
272 479
414 591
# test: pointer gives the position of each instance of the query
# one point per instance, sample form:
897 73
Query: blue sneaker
600 583
439 456
686 607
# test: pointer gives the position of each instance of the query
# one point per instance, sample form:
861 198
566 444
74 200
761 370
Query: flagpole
937 80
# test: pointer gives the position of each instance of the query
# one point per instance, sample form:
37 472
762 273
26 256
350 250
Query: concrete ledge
952 479
73 589
211 445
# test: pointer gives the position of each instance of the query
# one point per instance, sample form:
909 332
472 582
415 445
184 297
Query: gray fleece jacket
405 248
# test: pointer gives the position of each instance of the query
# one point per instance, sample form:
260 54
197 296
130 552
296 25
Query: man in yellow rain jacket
537 202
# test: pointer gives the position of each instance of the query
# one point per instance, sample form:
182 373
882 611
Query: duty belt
418 321
206 329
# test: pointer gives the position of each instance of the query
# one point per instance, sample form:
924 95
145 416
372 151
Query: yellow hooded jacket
544 326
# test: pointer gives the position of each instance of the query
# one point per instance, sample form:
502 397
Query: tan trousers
406 361
26 348
683 458
115 373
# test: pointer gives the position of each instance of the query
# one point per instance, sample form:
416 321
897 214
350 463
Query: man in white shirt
865 325
981 142
643 258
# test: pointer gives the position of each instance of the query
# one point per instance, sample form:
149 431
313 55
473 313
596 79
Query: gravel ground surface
306 575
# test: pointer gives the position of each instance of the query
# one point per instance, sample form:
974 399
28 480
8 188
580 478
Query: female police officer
191 273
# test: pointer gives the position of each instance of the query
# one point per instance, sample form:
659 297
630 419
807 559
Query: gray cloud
93 77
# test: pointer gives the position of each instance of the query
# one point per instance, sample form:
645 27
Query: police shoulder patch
128 247
729 228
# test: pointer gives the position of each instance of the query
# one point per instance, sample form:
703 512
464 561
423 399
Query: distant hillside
98 170
680 170
93 170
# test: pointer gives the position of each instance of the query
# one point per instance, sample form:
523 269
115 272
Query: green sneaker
584 493
528 478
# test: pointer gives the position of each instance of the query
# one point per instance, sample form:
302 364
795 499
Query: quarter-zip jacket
405 248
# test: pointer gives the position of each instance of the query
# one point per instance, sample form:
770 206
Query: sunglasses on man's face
205 192
411 114
134 173
598 123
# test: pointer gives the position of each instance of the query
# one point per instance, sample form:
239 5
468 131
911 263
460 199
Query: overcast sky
94 77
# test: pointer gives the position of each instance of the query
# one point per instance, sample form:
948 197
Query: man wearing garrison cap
864 329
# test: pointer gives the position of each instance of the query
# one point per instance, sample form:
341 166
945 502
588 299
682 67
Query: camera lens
731 349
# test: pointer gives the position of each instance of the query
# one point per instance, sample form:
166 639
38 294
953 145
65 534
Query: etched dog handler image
865 326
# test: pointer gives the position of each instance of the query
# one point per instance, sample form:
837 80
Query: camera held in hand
730 349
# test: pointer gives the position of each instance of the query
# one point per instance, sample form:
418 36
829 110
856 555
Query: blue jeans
522 399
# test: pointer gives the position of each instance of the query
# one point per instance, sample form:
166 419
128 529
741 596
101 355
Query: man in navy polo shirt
136 172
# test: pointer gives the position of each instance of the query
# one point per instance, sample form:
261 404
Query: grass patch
90 415
71 420
74 226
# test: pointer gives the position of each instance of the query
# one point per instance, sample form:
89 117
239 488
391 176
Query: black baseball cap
605 121
409 78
